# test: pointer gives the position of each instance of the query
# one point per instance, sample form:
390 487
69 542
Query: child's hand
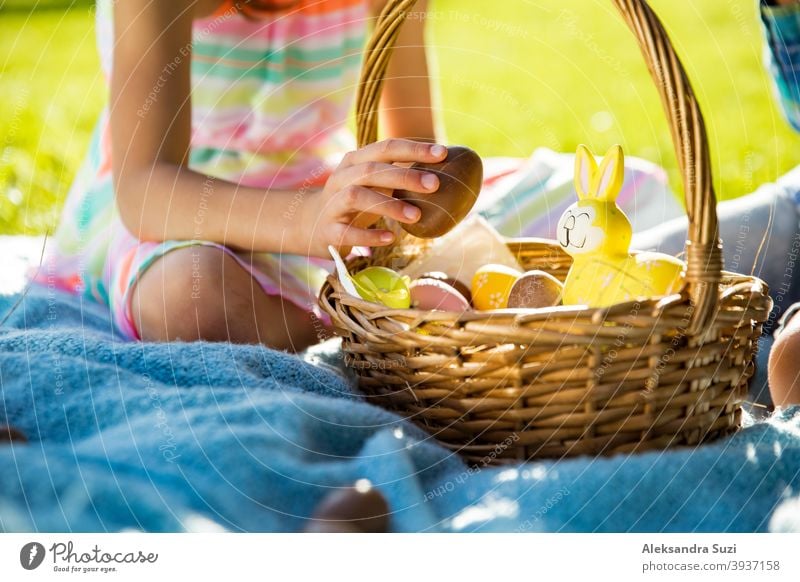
359 191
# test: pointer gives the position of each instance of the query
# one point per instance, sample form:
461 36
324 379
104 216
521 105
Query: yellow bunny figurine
597 234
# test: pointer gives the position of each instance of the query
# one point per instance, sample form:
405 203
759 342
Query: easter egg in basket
491 286
382 285
429 293
535 289
452 281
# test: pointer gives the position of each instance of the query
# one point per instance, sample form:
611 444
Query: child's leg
201 292
743 224
784 371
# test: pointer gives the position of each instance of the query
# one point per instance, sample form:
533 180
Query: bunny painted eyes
597 234
575 230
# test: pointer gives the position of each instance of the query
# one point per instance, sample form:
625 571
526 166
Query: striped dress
270 100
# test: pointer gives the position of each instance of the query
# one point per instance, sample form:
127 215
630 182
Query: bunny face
576 231
595 224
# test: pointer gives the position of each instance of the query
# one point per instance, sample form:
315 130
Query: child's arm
160 198
406 99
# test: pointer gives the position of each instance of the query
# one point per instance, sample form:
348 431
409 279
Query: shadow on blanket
200 436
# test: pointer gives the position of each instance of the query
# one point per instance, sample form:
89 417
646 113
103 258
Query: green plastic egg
382 285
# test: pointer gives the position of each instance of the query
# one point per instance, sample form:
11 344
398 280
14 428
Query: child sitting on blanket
217 176
222 168
782 23
769 215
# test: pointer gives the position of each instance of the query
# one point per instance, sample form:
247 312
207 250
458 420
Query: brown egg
460 179
535 289
10 434
354 509
454 283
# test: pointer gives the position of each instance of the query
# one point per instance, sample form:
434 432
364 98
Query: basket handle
703 247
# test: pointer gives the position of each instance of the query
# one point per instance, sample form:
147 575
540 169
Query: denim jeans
771 216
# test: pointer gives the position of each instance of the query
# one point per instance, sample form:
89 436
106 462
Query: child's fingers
380 175
361 199
396 150
345 235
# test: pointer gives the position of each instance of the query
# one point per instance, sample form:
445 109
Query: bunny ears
603 183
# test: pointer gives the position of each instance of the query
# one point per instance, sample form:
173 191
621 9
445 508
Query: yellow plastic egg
491 286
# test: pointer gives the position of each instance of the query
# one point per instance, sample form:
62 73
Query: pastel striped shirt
269 101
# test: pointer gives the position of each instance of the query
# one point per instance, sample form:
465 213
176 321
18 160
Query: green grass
52 91
514 75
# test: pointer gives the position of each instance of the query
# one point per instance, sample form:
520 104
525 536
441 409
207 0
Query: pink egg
430 294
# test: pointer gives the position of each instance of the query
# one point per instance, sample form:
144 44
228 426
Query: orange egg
491 286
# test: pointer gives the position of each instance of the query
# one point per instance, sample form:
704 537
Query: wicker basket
517 384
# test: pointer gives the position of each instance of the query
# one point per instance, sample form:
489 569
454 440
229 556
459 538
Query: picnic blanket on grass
201 436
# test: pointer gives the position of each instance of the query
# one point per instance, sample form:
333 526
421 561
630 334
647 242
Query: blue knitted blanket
200 436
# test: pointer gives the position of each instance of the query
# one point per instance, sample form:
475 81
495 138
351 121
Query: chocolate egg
491 286
535 289
354 509
436 294
453 282
460 179
11 434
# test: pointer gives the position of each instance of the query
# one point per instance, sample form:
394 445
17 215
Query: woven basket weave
561 381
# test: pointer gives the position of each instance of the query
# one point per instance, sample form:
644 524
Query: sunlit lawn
514 75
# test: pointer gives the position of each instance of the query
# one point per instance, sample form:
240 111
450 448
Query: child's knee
181 296
784 365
